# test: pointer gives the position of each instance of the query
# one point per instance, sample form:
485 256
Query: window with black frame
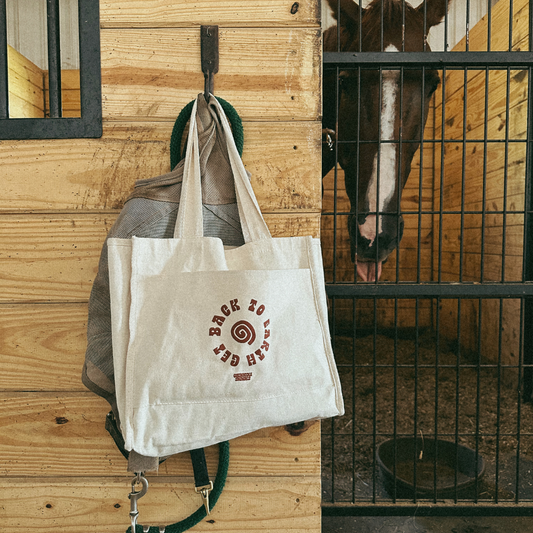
50 82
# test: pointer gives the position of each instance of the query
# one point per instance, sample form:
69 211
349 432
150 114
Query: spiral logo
243 332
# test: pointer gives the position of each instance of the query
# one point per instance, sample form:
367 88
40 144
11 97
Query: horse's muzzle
376 250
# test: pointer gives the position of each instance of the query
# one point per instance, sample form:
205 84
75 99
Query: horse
376 165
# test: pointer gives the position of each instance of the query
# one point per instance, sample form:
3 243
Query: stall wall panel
26 89
165 13
276 505
59 467
272 73
483 172
96 174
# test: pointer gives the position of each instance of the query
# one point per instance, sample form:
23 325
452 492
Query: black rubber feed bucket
455 468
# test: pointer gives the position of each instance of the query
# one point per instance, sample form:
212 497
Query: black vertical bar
382 27
467 28
441 190
403 26
374 403
378 165
415 413
339 26
506 172
436 422
358 168
485 157
478 396
54 58
354 390
446 26
425 30
510 25
399 176
489 24
360 26
336 173
519 402
395 400
463 171
4 88
457 399
498 405
333 302
420 176
527 266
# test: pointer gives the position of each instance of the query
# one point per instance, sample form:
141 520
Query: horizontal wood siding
473 115
60 469
25 86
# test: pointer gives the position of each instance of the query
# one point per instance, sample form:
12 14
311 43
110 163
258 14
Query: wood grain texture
42 347
25 86
74 506
55 258
92 174
70 93
478 35
165 13
272 74
53 434
487 178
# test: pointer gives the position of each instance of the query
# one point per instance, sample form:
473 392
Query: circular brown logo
243 332
254 332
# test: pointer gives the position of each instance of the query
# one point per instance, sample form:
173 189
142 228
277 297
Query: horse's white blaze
387 156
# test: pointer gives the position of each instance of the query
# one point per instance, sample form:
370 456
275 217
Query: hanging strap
201 513
189 222
201 479
253 224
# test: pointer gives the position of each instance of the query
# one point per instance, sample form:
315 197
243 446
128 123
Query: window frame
89 125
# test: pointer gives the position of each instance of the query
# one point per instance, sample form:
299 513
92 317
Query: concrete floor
388 524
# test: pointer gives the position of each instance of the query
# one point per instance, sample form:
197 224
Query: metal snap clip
134 496
204 493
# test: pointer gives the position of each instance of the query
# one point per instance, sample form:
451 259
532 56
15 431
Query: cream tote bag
212 343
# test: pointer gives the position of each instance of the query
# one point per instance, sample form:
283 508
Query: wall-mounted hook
209 48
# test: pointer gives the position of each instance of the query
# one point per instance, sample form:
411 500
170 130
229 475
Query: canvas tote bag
212 343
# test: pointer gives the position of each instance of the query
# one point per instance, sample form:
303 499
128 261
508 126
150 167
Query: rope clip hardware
204 493
134 496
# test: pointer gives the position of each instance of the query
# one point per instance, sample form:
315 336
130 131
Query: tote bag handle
189 222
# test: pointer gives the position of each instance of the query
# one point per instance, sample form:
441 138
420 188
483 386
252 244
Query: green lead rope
200 514
183 118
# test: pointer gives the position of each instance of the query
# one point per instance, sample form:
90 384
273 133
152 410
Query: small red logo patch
244 376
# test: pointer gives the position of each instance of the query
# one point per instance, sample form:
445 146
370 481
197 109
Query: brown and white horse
373 109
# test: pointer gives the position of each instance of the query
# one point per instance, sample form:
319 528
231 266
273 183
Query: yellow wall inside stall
60 469
502 161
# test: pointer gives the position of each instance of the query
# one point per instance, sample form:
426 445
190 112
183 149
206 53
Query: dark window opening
50 81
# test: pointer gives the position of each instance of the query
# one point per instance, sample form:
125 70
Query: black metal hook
209 48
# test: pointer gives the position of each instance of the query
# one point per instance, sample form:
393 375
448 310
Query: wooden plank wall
60 470
26 98
500 257
70 93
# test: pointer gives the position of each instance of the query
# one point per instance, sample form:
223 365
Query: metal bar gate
436 354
